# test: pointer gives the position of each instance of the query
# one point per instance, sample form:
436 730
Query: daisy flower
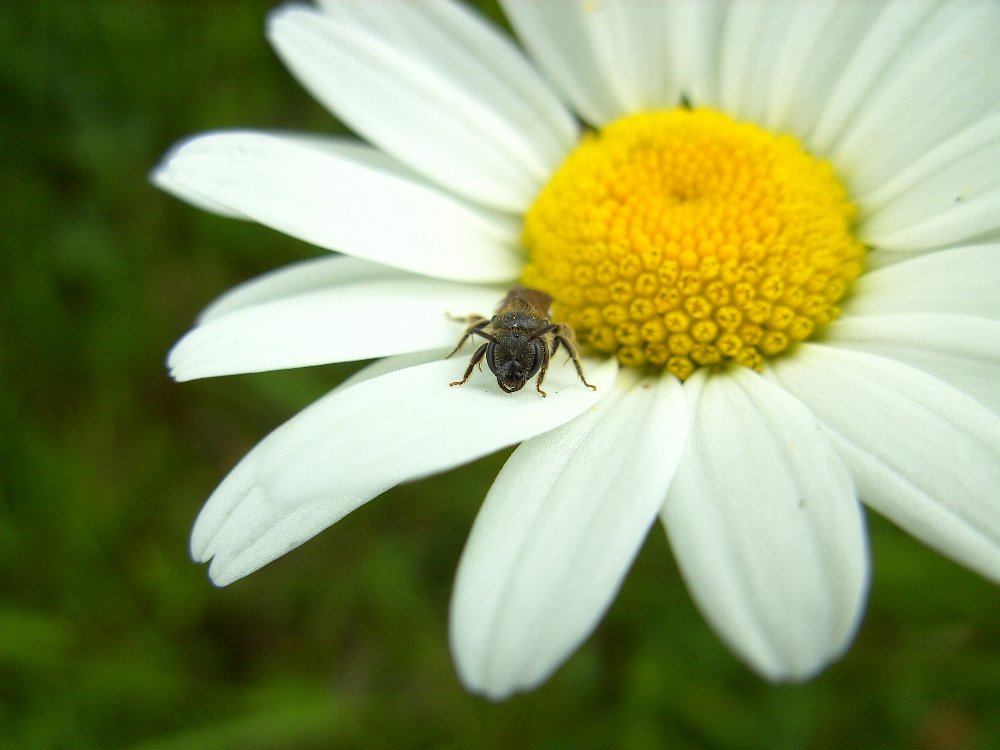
775 228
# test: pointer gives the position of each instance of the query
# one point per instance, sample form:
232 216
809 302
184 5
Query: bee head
514 366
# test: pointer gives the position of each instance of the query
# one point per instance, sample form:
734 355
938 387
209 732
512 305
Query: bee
520 341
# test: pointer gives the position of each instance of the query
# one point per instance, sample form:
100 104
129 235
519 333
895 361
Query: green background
110 637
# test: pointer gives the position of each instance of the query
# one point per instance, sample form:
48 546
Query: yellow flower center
682 238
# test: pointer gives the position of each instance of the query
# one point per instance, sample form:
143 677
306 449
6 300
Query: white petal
456 42
357 442
865 52
941 78
626 39
960 281
574 44
744 71
164 179
601 54
945 197
637 57
557 534
876 259
369 312
808 61
342 196
695 33
305 276
766 527
922 453
962 351
435 87
957 153
385 365
718 56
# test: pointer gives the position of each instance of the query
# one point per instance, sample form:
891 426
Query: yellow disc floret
683 238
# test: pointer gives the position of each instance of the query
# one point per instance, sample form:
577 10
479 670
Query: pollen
682 238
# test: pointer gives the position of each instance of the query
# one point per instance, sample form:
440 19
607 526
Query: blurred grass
110 637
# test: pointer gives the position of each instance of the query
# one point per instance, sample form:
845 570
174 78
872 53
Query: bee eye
539 357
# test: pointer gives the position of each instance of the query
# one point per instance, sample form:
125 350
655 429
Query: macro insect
520 341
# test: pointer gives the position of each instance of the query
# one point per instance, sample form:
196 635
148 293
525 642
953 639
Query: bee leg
541 372
566 337
476 358
469 320
476 324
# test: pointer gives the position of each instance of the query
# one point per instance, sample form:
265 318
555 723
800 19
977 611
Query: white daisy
780 246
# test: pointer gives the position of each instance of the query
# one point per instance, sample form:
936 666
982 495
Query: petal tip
281 16
221 575
482 686
158 175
